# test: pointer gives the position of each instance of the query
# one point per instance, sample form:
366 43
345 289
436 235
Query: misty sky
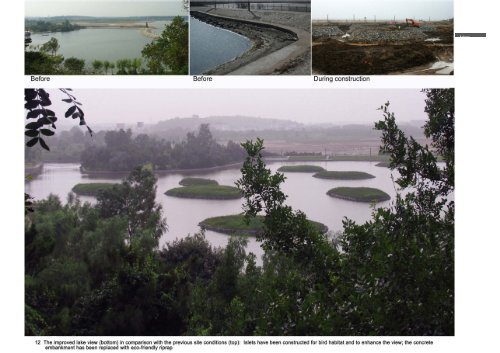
382 9
305 106
104 8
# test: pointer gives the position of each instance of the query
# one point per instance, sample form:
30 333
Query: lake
183 215
100 43
211 46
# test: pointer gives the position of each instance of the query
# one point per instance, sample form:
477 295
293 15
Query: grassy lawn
301 169
210 192
360 194
91 189
235 224
197 181
343 175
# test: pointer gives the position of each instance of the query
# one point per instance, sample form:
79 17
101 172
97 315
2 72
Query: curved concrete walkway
278 59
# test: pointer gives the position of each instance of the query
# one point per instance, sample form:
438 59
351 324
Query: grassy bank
307 158
360 194
301 169
235 224
346 158
210 192
343 175
91 189
197 181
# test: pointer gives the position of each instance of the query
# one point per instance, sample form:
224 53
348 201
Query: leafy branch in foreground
42 119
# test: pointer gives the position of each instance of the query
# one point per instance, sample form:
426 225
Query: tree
135 198
169 53
51 46
402 261
107 65
74 65
97 65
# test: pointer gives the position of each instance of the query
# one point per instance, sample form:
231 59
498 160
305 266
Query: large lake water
183 215
100 43
211 46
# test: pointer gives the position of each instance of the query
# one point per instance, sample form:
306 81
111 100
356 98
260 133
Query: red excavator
411 22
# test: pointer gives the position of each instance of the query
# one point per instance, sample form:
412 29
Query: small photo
364 37
240 37
106 37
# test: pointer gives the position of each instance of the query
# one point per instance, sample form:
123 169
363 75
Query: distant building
140 124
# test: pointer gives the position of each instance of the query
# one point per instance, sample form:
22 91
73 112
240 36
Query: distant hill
231 123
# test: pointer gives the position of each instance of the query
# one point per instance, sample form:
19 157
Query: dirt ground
381 49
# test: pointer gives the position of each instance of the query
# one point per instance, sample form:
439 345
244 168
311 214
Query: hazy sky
382 9
104 8
305 106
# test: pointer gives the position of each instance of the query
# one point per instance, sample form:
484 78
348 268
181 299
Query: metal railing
269 5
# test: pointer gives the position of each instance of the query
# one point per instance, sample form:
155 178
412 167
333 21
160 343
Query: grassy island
343 175
361 194
209 192
235 224
197 181
383 164
91 189
301 169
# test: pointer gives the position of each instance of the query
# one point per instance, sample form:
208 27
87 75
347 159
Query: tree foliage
135 198
51 46
169 53
43 119
122 152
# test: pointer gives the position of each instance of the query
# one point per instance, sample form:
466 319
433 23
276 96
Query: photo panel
382 37
241 37
312 213
66 37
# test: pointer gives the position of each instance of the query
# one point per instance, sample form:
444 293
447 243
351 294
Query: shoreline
278 48
162 171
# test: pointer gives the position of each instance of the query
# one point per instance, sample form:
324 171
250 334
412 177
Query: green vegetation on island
301 169
197 181
37 26
122 152
359 194
236 224
209 192
343 175
91 189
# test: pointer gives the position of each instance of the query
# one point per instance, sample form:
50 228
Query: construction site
377 47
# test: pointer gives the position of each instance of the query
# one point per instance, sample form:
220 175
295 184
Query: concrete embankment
277 48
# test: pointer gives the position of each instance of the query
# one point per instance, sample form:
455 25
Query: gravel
369 33
326 31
